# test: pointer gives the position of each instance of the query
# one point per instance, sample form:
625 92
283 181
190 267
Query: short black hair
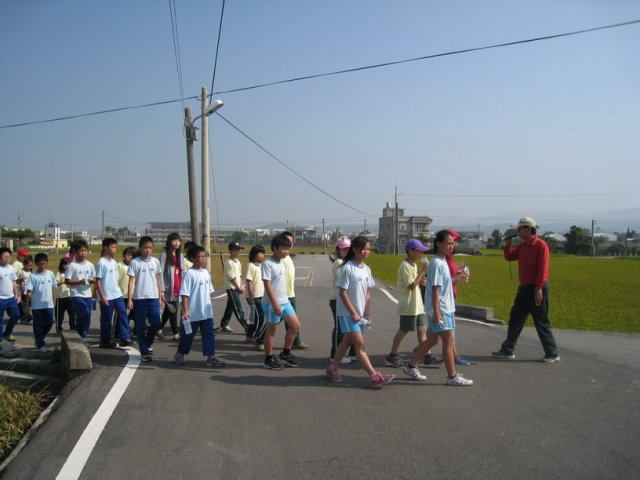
5 249
255 250
194 251
40 257
145 239
280 241
78 244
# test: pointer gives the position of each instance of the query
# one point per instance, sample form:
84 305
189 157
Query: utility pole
324 239
206 218
395 224
593 243
102 224
191 136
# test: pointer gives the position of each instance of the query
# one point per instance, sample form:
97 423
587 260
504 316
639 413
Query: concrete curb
484 314
75 354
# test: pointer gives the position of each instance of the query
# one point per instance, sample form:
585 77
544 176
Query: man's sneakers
213 361
272 363
550 358
288 360
378 380
459 381
393 360
414 373
333 374
502 354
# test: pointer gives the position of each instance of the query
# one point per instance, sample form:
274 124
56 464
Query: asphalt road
579 418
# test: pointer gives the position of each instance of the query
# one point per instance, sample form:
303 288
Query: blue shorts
448 323
348 325
271 317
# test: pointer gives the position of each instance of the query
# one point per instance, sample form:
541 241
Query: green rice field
601 294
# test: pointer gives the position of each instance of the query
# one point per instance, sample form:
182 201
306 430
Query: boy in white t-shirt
80 275
234 288
277 306
9 298
145 274
197 312
41 289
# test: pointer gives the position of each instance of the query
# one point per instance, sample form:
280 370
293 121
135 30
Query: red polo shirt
533 261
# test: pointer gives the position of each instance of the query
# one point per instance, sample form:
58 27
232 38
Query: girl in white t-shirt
254 291
353 310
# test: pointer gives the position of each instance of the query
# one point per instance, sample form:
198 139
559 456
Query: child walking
79 277
353 310
197 312
173 267
41 289
9 299
440 307
145 273
63 298
342 248
233 287
111 297
255 291
277 306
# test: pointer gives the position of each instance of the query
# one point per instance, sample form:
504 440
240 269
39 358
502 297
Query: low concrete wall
484 314
75 354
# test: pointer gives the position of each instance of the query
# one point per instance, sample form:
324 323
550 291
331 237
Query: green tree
19 235
239 236
578 241
551 241
495 239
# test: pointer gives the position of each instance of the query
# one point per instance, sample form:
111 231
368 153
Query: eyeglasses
522 227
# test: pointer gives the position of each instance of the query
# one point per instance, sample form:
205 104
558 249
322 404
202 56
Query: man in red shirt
532 298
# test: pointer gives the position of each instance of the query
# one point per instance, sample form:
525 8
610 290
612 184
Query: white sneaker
414 373
44 349
459 381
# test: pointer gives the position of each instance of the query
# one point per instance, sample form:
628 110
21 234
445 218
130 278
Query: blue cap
416 244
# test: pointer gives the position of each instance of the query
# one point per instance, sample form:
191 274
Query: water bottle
367 323
186 325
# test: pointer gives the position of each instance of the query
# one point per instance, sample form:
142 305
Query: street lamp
191 136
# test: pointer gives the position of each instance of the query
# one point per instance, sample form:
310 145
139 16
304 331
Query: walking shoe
502 354
333 374
353 358
159 335
217 330
10 338
462 361
108 345
125 342
7 351
150 350
272 364
288 360
260 347
226 329
145 357
378 380
432 361
179 358
344 361
176 337
212 361
300 346
414 373
550 358
459 381
393 360
44 349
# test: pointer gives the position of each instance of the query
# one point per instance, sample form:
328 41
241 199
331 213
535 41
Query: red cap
455 234
23 252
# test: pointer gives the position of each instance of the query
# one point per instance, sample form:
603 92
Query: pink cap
343 242
455 234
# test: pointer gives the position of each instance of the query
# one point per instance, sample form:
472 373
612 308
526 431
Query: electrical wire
215 60
338 72
176 48
309 182
517 195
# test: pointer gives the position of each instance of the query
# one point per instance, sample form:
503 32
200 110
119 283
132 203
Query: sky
547 129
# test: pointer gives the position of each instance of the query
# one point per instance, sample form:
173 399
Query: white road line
391 297
76 461
309 279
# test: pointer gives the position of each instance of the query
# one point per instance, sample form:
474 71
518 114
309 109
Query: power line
338 72
427 57
517 195
176 47
215 61
324 192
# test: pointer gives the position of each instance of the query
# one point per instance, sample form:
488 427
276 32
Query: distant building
409 226
159 230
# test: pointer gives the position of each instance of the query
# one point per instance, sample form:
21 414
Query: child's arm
435 301
16 292
185 307
367 305
103 301
272 296
344 296
160 281
130 293
249 290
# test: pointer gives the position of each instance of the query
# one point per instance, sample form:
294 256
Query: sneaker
10 338
226 329
217 330
345 360
125 342
7 351
145 357
459 381
333 374
272 364
393 360
179 358
288 360
414 373
150 350
212 361
300 346
108 345
44 349
550 358
260 347
432 361
176 337
159 335
353 358
463 362
378 380
502 354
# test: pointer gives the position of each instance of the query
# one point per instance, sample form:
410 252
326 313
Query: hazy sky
551 126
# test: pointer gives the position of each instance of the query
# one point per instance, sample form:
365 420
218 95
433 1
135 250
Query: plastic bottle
186 324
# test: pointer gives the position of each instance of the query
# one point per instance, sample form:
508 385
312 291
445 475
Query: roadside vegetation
599 294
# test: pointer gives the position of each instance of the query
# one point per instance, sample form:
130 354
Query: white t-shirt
7 277
107 272
232 269
255 275
290 271
41 285
147 274
356 280
78 271
273 270
196 284
335 272
439 275
410 301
